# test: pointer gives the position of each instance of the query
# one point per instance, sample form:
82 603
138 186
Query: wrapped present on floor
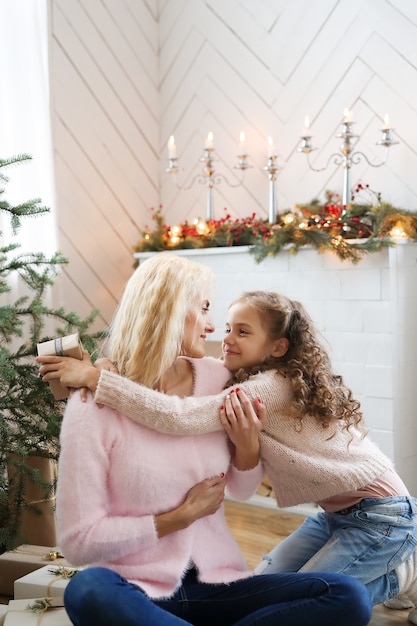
3 611
61 346
38 522
23 560
49 582
37 612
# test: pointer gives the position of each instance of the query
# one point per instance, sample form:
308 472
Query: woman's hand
243 420
205 498
71 372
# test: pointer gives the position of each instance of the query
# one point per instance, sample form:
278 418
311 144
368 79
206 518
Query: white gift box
24 559
19 614
3 611
46 582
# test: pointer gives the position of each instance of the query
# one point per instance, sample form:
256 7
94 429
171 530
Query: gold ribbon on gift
61 573
51 499
52 555
40 607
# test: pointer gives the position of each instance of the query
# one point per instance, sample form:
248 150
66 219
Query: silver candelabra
208 177
347 157
272 169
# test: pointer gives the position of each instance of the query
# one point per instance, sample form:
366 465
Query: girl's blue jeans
368 543
100 597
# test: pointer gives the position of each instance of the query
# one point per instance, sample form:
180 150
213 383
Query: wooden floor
258 529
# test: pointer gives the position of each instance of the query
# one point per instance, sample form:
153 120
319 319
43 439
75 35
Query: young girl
146 509
314 446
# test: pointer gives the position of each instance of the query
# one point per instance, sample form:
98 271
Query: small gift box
38 523
23 560
61 346
3 611
37 612
49 582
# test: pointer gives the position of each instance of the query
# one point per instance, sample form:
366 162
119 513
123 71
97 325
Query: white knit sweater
304 464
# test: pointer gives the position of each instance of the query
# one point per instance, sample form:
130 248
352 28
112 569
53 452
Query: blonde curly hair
318 392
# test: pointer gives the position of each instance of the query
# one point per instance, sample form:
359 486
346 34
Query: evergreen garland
348 232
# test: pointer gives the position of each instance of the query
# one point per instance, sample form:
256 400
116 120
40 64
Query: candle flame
242 137
271 148
307 122
172 149
347 115
386 121
209 141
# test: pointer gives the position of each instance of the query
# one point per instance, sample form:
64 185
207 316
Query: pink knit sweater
115 475
304 464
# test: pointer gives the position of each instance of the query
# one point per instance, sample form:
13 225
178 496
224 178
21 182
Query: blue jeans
100 597
368 543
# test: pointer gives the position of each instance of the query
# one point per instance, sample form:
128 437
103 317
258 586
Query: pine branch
30 418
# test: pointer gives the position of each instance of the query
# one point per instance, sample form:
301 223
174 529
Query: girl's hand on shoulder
243 420
105 364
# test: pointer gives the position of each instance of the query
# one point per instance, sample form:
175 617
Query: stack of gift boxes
36 577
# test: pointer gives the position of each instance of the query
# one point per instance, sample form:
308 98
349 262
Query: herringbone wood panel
125 74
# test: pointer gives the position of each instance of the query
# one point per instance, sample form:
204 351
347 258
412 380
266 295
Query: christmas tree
30 418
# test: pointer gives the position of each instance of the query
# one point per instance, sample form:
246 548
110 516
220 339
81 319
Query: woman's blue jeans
368 543
100 597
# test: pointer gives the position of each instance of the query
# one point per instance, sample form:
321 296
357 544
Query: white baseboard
270 503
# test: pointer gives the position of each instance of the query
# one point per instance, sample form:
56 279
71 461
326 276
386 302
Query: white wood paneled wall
105 110
126 74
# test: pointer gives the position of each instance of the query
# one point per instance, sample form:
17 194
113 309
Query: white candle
272 151
347 115
172 148
306 126
386 122
209 141
242 147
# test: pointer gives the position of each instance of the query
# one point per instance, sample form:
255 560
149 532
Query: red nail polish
237 388
222 475
258 400
222 408
233 391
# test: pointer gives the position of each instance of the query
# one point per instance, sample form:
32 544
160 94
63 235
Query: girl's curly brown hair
317 390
